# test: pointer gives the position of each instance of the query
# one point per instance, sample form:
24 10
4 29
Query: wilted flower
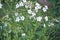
1 5
39 18
46 18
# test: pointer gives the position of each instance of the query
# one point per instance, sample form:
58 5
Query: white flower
39 7
36 9
24 1
16 14
37 4
1 5
21 4
33 14
46 18
44 9
39 18
22 18
17 19
26 6
23 34
44 25
30 11
46 6
17 5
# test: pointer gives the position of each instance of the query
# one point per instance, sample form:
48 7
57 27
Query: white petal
24 1
46 18
44 25
17 5
16 14
33 14
30 11
46 6
21 4
37 4
36 9
17 19
23 34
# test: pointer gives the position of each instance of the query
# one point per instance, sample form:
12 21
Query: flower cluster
33 12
